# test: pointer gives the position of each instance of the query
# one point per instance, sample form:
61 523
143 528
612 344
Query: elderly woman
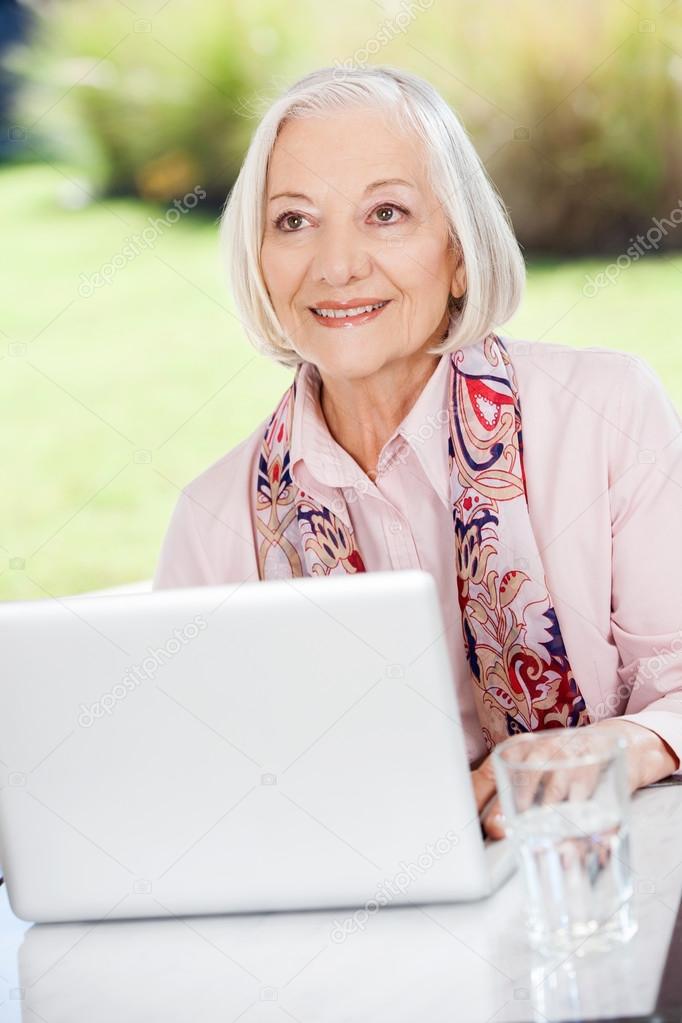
539 484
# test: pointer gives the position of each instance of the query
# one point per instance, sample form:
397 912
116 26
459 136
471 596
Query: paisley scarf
521 676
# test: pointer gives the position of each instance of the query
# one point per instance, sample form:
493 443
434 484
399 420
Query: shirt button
395 526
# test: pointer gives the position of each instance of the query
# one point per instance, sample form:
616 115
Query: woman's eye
386 213
284 221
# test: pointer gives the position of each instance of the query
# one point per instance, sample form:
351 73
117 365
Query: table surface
433 962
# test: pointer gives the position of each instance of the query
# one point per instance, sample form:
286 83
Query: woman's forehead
360 147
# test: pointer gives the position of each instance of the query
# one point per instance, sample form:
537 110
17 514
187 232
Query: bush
576 109
150 107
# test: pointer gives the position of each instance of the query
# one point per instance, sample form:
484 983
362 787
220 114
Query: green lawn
113 402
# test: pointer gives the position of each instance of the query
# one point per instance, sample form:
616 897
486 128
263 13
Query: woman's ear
459 279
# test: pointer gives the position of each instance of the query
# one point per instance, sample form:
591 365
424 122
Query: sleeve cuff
666 724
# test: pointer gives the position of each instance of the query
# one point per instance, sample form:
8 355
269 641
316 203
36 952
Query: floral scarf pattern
521 676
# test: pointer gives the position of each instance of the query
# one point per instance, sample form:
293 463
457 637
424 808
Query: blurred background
124 371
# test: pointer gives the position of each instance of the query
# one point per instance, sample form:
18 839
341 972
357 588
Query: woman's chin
348 365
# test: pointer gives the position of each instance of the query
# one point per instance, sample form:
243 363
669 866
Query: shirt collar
322 467
426 429
318 464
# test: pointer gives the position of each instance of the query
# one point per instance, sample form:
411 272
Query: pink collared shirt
603 463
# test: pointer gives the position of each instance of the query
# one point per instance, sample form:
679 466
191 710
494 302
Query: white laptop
261 746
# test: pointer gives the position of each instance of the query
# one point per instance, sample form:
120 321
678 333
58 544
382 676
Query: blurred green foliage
575 107
150 106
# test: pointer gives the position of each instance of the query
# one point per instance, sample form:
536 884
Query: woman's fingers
550 772
493 822
548 780
584 781
483 780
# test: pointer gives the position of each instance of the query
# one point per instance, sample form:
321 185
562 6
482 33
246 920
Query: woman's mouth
352 317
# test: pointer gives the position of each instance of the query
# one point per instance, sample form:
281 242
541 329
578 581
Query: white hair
479 225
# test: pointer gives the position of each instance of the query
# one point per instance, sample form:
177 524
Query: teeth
339 314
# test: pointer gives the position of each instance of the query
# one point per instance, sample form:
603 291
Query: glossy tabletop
430 962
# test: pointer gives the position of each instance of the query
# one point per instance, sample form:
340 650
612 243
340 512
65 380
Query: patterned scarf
520 671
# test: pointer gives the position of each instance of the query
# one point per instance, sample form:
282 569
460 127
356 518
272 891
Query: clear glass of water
566 803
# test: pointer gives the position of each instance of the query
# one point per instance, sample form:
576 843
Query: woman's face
350 218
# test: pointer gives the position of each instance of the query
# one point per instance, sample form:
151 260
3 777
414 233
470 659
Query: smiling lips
348 314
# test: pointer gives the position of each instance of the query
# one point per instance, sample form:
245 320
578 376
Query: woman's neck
362 414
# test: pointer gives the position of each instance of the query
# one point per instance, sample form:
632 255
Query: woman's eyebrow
370 188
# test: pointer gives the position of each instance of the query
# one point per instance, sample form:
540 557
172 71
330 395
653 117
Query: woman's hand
648 758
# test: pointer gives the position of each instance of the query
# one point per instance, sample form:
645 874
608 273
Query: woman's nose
341 256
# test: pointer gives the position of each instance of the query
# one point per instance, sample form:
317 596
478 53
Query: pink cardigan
603 460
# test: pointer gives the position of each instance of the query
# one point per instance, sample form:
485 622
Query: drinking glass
566 803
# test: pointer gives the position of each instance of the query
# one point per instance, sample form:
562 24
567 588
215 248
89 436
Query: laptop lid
259 746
